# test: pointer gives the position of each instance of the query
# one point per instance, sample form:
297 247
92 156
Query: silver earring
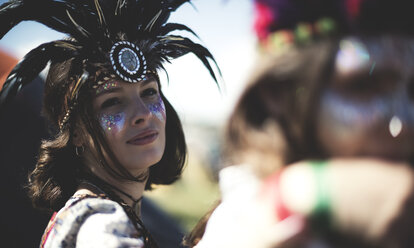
395 126
82 149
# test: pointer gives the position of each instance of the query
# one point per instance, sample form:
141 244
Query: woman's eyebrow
148 81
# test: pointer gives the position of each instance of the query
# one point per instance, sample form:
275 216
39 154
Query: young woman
321 141
115 134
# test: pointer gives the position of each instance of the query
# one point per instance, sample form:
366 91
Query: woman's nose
141 112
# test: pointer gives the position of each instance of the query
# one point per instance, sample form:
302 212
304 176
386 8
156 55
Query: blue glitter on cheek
350 113
112 122
158 109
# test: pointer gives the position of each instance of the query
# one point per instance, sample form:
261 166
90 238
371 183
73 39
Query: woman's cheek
112 123
158 109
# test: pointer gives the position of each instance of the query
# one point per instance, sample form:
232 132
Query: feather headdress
131 37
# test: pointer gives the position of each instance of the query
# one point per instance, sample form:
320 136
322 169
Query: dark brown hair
281 103
274 117
59 169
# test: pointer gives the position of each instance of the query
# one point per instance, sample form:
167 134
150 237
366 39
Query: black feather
177 46
170 27
11 13
32 64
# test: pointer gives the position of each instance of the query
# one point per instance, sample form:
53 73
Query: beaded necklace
108 190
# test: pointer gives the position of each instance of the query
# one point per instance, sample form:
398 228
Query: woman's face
133 118
368 107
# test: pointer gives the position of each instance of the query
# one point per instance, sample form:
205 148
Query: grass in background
188 199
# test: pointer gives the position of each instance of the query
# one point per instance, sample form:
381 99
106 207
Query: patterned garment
87 221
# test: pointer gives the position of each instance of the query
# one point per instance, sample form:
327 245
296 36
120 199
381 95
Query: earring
395 126
78 153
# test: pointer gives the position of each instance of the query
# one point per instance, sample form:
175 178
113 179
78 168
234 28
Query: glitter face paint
113 122
381 126
126 111
375 104
344 118
110 122
367 109
348 112
158 109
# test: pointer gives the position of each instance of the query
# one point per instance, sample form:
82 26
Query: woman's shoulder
89 221
86 204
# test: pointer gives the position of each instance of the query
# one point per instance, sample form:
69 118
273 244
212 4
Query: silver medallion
128 61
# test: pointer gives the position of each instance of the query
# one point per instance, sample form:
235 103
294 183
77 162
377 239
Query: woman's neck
130 192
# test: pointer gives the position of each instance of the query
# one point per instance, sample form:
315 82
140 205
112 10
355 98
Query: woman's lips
144 138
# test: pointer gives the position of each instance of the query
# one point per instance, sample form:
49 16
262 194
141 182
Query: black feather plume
94 26
32 64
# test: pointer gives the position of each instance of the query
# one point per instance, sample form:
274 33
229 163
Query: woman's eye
149 92
110 102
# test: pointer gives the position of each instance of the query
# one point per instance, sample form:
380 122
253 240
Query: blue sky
224 27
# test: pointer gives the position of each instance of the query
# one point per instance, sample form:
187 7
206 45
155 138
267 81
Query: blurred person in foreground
322 139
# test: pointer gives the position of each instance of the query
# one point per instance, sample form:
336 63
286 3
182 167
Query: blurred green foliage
188 199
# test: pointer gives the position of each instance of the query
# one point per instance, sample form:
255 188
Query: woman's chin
142 167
